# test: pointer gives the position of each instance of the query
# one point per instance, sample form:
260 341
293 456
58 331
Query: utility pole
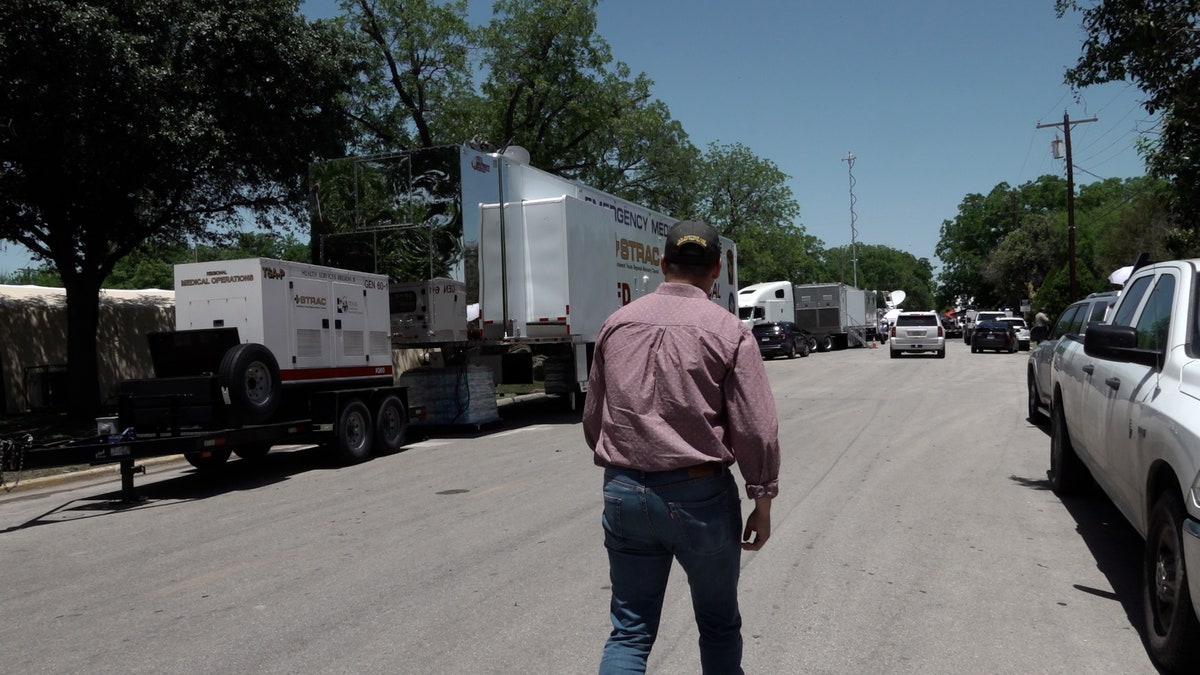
849 159
1066 125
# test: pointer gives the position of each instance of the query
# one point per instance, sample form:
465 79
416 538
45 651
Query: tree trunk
83 318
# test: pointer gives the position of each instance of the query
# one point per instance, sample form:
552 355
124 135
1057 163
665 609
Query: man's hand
758 525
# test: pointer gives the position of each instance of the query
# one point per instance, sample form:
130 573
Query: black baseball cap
691 242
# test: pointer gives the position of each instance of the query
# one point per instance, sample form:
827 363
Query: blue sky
936 99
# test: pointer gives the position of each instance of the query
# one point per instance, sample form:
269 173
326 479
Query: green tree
150 266
1155 45
747 199
173 116
968 242
416 89
547 82
883 268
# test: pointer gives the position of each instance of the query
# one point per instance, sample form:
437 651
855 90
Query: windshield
916 320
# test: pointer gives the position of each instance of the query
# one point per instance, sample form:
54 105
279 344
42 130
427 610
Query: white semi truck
766 302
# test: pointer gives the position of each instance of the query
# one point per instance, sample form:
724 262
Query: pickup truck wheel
391 424
208 460
354 436
1172 631
1066 471
804 349
1035 402
250 373
791 352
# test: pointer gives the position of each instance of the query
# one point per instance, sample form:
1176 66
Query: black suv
781 338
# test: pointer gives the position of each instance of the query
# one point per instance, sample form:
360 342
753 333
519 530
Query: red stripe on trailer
304 374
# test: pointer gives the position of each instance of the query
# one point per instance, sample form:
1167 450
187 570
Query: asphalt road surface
914 533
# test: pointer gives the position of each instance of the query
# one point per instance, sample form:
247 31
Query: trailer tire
208 460
391 424
250 373
354 436
826 344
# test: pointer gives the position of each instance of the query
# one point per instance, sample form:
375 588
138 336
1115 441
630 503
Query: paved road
914 533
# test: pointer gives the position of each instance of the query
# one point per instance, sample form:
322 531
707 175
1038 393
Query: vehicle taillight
941 331
893 332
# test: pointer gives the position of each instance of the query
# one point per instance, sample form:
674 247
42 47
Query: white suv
918 332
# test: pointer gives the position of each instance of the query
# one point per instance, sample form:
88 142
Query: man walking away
676 394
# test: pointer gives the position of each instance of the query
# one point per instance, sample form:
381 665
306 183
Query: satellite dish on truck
894 298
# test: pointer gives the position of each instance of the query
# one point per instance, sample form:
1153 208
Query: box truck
838 315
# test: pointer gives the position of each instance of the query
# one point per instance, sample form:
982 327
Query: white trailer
265 352
767 302
554 259
545 259
302 351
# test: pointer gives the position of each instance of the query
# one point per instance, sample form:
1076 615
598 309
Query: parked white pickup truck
1126 405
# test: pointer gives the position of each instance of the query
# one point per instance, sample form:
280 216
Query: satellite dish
517 154
893 299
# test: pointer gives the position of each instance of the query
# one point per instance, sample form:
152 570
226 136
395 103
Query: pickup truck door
1132 387
1119 390
1090 410
1044 353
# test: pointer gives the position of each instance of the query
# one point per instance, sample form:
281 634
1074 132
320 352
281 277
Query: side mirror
1118 343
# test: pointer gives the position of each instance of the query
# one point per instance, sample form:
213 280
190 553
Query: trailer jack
128 469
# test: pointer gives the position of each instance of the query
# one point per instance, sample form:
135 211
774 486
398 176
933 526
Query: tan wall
33 321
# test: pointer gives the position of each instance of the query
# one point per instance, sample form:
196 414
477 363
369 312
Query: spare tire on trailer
250 373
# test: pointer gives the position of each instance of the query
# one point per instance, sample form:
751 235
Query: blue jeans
650 519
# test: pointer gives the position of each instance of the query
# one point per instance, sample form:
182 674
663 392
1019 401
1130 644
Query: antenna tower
849 160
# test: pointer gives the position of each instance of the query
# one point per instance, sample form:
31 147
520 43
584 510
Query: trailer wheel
826 343
208 460
354 437
251 375
391 423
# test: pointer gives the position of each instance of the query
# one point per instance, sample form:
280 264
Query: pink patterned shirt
678 381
